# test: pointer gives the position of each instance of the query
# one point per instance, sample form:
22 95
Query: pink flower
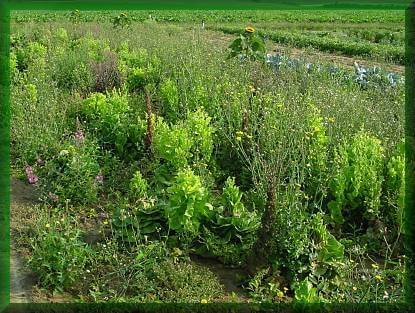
79 135
39 161
32 179
99 179
29 170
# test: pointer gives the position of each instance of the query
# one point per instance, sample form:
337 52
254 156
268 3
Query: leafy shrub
199 128
59 256
33 53
187 203
121 20
72 174
116 127
138 67
232 229
185 143
357 180
172 144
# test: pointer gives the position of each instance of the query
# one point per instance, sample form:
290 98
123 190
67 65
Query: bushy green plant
231 231
316 155
189 142
116 127
59 256
33 53
139 68
187 203
133 222
199 127
73 174
172 144
357 180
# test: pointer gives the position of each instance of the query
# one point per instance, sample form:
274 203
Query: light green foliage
138 67
172 144
62 34
59 256
305 292
357 179
32 54
91 47
187 142
187 203
138 185
234 221
134 221
109 116
169 95
198 126
316 154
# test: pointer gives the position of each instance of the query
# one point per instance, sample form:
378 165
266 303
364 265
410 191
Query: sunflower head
249 29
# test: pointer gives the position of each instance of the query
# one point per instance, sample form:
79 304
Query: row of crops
221 16
388 52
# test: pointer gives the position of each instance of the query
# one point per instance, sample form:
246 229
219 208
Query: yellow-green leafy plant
356 183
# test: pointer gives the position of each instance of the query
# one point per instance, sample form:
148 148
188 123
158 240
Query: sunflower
249 29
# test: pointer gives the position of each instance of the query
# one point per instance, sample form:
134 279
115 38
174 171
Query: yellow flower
238 138
280 294
375 266
250 29
354 288
378 277
204 301
105 222
47 225
331 119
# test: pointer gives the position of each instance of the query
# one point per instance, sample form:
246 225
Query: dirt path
228 277
22 196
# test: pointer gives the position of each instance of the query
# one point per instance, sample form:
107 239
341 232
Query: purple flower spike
79 135
32 179
99 179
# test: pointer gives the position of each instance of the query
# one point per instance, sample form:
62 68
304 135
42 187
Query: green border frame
7 5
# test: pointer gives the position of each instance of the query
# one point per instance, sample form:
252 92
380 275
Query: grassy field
182 156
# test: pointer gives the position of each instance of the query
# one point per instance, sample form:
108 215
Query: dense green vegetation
172 146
